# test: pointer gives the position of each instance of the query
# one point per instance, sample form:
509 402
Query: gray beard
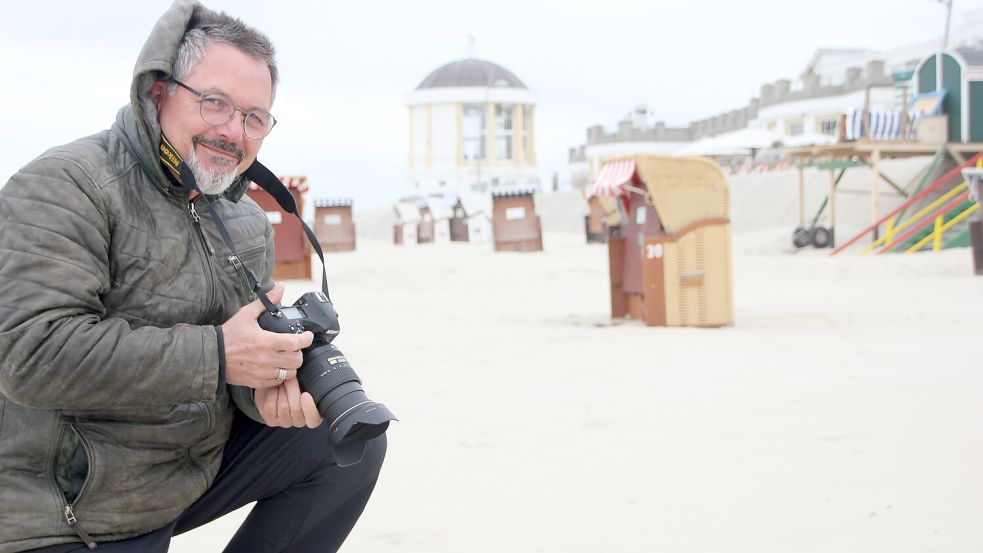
211 182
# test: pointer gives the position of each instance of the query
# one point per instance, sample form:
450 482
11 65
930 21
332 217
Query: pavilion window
473 132
503 132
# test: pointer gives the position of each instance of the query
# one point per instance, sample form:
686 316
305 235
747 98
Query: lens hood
359 425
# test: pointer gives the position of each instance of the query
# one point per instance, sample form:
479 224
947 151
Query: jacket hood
155 63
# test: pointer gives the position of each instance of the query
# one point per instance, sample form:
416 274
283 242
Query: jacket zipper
70 517
201 232
201 470
208 414
73 522
206 265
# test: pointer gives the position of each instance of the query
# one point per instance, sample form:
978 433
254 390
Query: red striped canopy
612 178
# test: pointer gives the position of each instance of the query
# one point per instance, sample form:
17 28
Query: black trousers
304 501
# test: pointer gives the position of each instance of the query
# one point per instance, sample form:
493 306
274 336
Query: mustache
220 144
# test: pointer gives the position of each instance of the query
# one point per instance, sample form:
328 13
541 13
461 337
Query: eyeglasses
218 109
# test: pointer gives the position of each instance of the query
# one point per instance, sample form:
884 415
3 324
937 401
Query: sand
840 413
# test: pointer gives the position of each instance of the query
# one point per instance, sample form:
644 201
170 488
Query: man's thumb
275 295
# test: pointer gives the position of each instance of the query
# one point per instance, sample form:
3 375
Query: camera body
327 375
311 312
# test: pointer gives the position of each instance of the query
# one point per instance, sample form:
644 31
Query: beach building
444 218
476 208
472 134
472 130
515 224
334 225
637 133
669 253
824 104
944 118
408 219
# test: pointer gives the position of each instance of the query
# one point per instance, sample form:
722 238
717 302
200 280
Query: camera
326 374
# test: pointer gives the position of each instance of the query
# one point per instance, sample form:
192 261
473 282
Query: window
473 132
827 126
503 131
526 134
795 127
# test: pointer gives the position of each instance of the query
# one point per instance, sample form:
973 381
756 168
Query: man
138 396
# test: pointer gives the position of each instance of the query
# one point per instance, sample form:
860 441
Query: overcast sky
347 67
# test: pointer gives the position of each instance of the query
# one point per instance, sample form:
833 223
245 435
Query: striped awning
612 178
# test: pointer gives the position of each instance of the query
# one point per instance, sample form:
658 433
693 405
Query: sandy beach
841 413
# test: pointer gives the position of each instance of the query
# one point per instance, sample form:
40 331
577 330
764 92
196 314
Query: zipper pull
241 271
73 523
201 232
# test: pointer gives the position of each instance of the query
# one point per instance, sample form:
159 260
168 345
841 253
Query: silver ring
281 375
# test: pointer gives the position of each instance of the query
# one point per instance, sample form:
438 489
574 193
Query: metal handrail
940 228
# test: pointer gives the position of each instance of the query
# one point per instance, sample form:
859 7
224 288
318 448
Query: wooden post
802 207
832 209
875 198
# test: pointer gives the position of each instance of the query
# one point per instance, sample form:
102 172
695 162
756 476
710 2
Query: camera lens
352 417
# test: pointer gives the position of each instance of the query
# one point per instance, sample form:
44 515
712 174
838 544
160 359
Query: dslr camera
326 374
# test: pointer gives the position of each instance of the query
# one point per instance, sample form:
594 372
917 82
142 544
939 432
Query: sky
347 67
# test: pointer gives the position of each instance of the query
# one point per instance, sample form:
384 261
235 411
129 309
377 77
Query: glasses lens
216 109
258 124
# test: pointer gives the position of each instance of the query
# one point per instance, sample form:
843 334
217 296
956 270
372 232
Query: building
835 84
472 129
636 134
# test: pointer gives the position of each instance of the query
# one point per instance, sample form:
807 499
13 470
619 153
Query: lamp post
948 19
940 57
483 141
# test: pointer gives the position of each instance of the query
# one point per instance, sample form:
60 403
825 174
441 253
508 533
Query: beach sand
842 412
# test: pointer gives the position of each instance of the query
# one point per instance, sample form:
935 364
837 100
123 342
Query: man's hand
285 406
253 356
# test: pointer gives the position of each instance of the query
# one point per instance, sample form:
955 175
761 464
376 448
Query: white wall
418 122
444 136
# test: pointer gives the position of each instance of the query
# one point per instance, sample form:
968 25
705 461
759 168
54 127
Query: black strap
261 176
266 180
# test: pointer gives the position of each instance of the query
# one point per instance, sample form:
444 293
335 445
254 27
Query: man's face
220 149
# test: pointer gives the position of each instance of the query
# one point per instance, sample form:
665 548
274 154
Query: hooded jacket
113 413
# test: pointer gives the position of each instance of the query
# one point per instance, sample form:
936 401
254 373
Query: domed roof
471 72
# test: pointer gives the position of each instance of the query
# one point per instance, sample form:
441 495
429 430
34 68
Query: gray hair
207 26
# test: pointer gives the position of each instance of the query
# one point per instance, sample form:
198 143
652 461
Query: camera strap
269 182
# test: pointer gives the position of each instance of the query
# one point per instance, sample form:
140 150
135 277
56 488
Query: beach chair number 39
653 251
